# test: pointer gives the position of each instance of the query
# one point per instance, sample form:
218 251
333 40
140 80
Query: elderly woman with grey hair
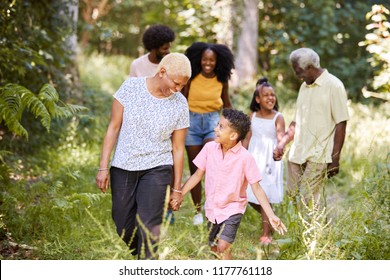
149 121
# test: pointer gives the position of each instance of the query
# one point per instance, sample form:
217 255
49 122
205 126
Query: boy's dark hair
254 106
225 59
239 122
156 36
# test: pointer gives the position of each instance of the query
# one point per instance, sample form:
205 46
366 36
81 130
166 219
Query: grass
50 208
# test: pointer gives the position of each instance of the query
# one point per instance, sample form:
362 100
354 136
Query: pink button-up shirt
226 179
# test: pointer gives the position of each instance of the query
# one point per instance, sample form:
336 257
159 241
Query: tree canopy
333 28
34 35
48 195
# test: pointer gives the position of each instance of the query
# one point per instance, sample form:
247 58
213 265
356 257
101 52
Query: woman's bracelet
102 169
178 191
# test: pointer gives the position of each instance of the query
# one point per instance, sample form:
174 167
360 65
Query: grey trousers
138 199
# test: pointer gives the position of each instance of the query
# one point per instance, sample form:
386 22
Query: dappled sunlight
65 216
77 155
72 151
103 73
50 206
357 175
368 131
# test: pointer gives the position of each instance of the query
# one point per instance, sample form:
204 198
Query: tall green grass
51 208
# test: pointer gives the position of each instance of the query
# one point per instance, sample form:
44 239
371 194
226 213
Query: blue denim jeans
201 128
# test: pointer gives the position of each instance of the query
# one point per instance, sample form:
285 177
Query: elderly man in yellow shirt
318 128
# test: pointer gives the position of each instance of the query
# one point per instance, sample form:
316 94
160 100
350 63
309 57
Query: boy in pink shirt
230 167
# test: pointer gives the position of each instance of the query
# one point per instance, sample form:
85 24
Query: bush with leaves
34 58
378 45
32 45
14 99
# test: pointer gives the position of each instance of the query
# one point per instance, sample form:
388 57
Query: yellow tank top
204 95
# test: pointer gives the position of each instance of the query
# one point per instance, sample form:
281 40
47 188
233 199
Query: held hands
175 200
278 153
277 225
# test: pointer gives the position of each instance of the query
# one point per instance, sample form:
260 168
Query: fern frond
27 100
50 98
14 99
4 153
75 109
8 116
10 99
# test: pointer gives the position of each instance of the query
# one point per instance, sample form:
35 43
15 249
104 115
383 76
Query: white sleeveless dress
261 146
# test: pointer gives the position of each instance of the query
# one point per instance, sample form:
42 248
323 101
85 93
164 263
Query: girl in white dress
267 128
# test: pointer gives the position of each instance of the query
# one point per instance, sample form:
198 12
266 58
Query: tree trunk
71 42
92 11
224 29
246 57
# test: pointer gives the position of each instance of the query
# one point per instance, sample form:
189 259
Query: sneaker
198 219
169 216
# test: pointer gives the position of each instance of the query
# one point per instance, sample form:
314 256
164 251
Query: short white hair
305 57
176 64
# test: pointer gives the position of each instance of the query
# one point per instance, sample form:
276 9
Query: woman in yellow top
207 94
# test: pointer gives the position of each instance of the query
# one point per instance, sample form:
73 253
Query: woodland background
61 61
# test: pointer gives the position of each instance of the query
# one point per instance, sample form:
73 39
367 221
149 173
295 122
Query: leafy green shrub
378 45
32 48
50 201
15 99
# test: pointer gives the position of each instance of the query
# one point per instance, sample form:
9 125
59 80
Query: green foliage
119 33
378 45
50 202
48 197
34 56
332 28
15 99
197 20
32 48
334 33
377 203
101 76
